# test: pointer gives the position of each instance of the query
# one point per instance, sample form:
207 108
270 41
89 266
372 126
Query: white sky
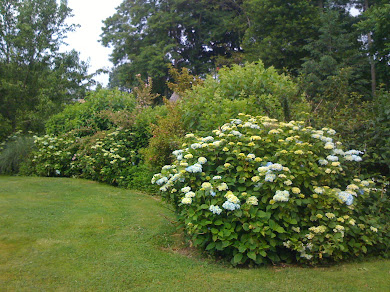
90 14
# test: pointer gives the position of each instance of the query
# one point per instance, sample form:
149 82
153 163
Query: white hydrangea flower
186 201
252 200
215 209
202 160
281 196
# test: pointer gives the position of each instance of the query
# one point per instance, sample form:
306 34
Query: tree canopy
292 36
279 30
148 35
35 78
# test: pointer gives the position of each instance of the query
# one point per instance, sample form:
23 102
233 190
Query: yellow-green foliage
182 80
143 92
166 136
89 115
250 88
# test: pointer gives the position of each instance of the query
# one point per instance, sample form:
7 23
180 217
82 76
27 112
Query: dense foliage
98 139
108 156
257 190
251 88
147 35
96 112
15 151
279 30
36 80
253 191
332 56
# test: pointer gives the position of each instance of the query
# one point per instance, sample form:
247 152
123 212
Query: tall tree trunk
371 58
372 65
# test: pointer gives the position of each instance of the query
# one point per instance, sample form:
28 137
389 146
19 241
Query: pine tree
334 54
279 30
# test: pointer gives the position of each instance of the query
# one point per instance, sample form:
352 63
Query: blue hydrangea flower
236 121
194 168
353 152
323 162
230 206
276 166
208 139
236 133
270 177
281 196
215 209
196 146
162 180
332 158
356 158
346 197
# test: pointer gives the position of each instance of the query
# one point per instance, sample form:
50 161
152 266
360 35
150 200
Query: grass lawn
77 235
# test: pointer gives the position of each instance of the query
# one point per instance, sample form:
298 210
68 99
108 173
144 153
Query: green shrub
144 121
14 152
5 128
182 80
258 191
379 140
251 88
201 114
106 155
92 115
360 124
107 158
139 177
166 136
53 155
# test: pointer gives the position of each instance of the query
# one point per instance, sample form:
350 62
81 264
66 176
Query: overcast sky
90 14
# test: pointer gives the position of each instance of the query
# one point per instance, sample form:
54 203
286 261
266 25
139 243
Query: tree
35 79
334 54
278 30
148 35
375 24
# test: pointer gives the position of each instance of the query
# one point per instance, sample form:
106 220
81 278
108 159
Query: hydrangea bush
108 156
258 190
53 155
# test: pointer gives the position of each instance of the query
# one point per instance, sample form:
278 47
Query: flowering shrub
107 158
53 155
167 133
259 190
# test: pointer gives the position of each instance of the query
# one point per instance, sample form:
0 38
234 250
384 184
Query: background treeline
319 63
320 40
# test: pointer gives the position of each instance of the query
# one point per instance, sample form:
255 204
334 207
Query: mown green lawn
76 235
